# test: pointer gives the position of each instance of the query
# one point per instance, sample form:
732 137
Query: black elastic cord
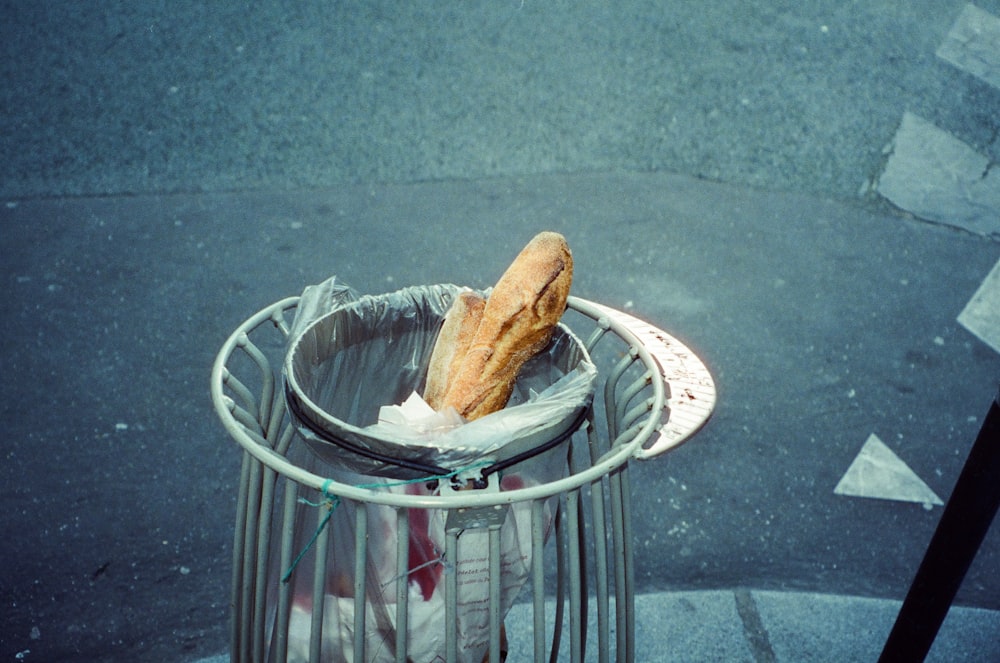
540 449
295 408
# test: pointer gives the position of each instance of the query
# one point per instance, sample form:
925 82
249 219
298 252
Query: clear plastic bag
425 577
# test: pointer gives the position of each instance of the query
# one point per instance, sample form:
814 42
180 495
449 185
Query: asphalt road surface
166 171
794 96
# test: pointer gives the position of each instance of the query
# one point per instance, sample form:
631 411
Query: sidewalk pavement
742 625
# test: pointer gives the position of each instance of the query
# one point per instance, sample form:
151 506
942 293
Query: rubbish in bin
356 357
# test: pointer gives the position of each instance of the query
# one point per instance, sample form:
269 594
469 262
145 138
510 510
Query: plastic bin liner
347 359
349 356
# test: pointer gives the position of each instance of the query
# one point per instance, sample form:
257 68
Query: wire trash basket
289 601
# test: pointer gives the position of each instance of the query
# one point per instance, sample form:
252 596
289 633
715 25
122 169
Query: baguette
460 325
517 323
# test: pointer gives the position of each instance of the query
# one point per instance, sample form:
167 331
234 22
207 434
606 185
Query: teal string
333 501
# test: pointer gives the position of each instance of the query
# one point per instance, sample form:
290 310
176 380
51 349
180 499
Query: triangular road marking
879 473
971 44
981 315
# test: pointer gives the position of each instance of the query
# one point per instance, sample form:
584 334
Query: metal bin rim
618 455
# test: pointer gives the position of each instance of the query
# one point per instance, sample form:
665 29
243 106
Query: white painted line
938 177
879 473
973 44
981 315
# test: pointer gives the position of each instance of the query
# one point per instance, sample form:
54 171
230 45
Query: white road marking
877 472
938 177
981 315
931 173
973 44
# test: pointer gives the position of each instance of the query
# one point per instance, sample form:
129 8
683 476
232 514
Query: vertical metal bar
402 581
966 519
360 578
239 540
629 566
601 572
266 510
321 547
250 560
267 379
246 412
615 411
451 596
494 592
284 436
620 553
577 612
276 414
286 554
286 589
538 576
562 562
263 546
610 386
599 524
594 337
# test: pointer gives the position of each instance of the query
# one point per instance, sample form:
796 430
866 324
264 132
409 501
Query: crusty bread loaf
453 341
517 322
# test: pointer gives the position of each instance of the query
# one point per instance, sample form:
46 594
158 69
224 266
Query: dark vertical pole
961 530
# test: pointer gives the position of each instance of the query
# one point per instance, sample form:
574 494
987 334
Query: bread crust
453 341
517 322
